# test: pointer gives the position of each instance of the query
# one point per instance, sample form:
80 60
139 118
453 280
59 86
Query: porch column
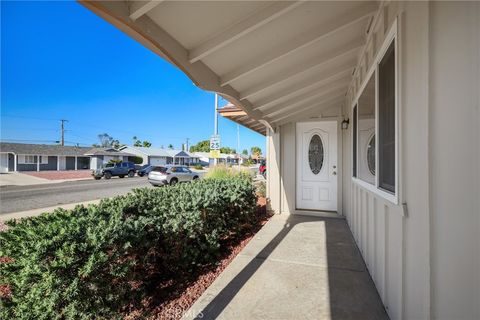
75 162
58 163
15 160
38 163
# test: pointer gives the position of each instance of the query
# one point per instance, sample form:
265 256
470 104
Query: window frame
22 159
392 36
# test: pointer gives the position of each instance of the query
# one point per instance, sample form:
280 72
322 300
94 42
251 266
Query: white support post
38 163
15 160
76 163
58 163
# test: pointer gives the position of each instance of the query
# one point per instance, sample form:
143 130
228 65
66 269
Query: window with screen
374 112
354 142
386 120
366 132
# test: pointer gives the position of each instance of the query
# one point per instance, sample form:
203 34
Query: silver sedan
171 174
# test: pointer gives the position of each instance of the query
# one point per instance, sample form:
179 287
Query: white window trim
22 159
391 197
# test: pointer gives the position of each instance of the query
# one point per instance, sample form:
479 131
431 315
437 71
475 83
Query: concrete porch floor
296 267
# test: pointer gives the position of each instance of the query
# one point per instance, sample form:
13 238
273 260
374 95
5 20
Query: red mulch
174 298
60 175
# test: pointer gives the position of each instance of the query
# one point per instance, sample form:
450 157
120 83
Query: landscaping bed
148 254
60 175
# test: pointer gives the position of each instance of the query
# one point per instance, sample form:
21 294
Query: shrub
261 188
198 167
90 262
224 172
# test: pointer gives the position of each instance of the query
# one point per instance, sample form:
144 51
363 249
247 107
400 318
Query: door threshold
318 213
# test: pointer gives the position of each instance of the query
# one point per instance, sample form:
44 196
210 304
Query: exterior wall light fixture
345 123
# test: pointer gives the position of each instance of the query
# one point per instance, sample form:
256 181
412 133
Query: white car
171 174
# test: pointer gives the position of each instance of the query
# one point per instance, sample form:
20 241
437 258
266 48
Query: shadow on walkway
295 267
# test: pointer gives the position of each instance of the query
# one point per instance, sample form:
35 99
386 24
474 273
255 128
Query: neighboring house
371 110
159 156
102 156
42 157
225 158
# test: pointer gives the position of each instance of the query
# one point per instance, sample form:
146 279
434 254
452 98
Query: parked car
262 169
145 170
171 174
120 169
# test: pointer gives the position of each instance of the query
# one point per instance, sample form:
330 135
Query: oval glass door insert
371 155
315 154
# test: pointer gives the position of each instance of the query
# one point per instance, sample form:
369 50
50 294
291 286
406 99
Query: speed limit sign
215 142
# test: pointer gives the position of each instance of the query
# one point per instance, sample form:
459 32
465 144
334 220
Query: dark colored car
120 169
145 170
262 169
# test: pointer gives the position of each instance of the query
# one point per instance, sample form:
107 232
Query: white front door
317 165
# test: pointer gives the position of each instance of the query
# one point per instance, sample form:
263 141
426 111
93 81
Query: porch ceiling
278 61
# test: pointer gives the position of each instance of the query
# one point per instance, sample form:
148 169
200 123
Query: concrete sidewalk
296 267
22 179
37 212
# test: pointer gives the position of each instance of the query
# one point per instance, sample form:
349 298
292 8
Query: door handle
334 173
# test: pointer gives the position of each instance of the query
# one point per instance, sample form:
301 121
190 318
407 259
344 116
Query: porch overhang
277 61
235 114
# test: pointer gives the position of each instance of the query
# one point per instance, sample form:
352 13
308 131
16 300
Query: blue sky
60 61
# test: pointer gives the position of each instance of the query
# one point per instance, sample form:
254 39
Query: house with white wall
43 157
160 156
224 158
371 114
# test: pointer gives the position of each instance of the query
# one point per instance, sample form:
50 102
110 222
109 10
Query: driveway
20 179
21 198
296 267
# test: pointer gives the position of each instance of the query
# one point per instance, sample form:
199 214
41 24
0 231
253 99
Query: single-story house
101 156
159 156
41 157
225 158
371 112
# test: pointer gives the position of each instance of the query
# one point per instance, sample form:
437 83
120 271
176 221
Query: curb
39 211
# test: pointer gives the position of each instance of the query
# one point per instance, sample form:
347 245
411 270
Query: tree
245 152
170 146
105 140
202 146
256 151
139 143
116 144
227 150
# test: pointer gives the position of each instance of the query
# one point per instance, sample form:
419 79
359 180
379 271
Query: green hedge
90 262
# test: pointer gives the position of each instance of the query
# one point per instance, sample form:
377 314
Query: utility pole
187 143
238 145
215 129
62 130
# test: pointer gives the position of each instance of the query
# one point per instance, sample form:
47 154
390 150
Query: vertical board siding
377 227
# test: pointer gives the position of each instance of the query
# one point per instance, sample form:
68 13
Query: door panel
317 165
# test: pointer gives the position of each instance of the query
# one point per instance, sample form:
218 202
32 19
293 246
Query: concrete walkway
296 267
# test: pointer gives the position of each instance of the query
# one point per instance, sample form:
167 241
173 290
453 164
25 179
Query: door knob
334 173
334 167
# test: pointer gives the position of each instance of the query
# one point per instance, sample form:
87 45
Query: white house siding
3 162
157 161
424 257
454 140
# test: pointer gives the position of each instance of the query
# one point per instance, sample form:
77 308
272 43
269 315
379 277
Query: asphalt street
21 198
